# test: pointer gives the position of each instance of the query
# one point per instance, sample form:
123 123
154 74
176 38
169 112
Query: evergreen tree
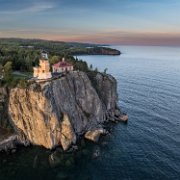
8 71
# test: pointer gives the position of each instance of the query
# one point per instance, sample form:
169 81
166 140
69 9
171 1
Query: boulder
8 141
123 117
94 134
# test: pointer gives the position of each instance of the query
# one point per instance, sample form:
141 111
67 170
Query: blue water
148 147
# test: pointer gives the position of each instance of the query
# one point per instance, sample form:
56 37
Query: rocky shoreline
8 141
59 112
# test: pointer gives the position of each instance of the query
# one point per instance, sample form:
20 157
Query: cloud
33 8
108 37
39 7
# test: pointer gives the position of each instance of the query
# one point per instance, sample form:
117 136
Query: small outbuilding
62 66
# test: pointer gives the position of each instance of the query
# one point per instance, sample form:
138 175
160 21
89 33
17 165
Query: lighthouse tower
44 54
43 70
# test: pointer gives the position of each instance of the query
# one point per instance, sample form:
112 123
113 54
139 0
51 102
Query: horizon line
95 43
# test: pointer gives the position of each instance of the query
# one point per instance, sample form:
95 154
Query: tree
1 71
105 70
54 59
28 64
91 66
8 71
96 69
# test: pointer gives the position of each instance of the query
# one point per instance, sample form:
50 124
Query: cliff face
57 112
107 89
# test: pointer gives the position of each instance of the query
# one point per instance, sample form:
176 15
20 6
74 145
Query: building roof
62 64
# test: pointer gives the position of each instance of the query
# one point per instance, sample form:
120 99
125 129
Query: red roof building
62 66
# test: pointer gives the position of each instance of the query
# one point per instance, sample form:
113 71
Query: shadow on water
35 162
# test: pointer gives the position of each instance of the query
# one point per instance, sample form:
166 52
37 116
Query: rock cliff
57 112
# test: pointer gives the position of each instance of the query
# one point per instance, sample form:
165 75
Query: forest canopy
25 53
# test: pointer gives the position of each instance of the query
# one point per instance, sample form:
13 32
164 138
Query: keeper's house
62 66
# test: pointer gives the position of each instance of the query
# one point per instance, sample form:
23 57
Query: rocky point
58 112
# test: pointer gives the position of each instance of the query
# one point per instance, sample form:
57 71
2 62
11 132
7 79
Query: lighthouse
42 71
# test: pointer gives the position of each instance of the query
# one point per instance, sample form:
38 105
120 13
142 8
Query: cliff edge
59 111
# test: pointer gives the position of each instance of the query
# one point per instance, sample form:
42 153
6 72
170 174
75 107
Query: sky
127 22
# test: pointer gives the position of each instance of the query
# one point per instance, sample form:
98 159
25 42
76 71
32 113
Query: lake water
148 147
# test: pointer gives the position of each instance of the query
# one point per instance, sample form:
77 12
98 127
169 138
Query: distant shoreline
56 47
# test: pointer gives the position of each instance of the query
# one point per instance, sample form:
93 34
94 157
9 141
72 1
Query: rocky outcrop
94 134
107 90
67 135
123 117
56 112
9 140
9 143
106 87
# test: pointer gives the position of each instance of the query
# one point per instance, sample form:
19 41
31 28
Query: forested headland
20 55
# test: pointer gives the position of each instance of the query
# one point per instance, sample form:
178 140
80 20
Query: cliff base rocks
94 135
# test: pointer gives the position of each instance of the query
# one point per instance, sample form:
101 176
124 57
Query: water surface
148 147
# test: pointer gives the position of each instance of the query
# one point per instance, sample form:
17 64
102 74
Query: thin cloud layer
100 21
33 8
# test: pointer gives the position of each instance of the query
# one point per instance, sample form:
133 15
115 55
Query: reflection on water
146 148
